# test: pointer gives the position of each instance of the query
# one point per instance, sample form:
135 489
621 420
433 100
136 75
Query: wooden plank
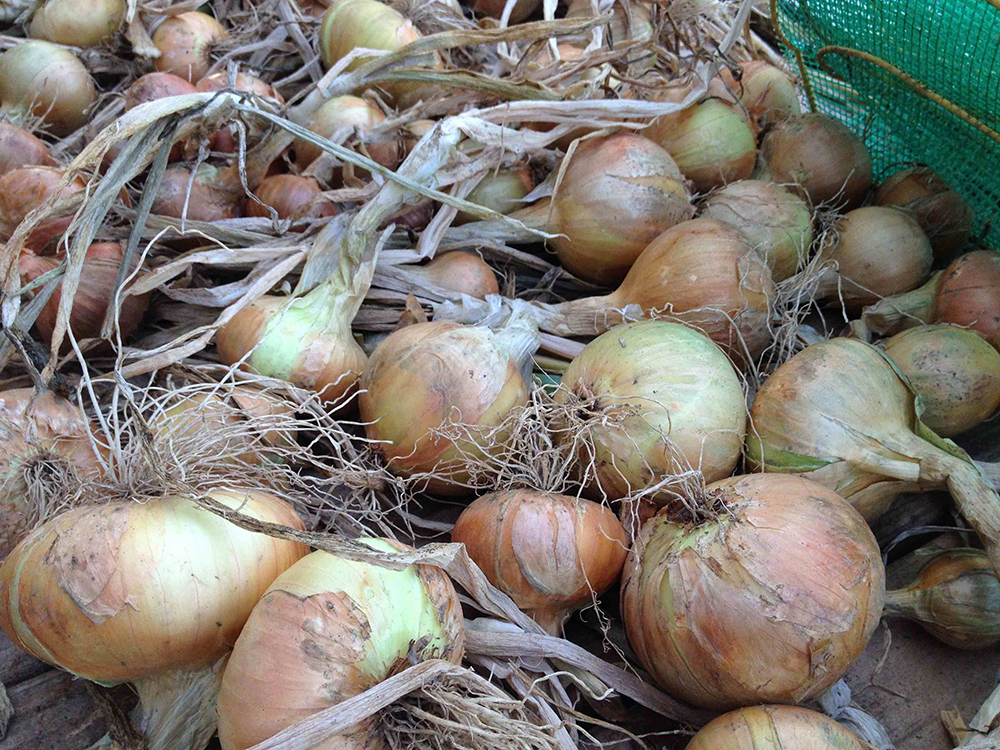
52 711
17 666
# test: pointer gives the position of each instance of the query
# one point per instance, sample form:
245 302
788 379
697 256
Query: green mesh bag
918 79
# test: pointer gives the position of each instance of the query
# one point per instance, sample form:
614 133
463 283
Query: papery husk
899 312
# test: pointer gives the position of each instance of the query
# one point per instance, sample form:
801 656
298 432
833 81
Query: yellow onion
500 191
668 401
955 598
552 554
347 112
48 81
25 189
428 376
969 294
50 431
226 140
775 220
775 728
768 94
291 197
820 155
153 86
211 196
839 413
19 148
461 271
702 272
767 599
955 373
328 629
522 9
185 42
89 24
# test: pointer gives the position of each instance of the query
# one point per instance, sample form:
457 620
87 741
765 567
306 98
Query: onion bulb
838 412
522 9
775 728
969 294
347 112
819 154
328 629
552 554
68 22
50 432
500 191
428 376
185 42
669 400
776 221
461 271
941 211
226 140
25 189
153 86
19 148
208 197
49 82
629 21
769 599
291 196
768 94
955 598
955 373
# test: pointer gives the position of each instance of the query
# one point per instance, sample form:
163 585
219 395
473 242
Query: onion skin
19 148
500 191
342 112
775 220
955 373
51 81
90 592
288 194
767 93
70 22
211 199
25 189
821 155
665 388
775 728
969 295
462 271
328 629
769 603
185 43
552 554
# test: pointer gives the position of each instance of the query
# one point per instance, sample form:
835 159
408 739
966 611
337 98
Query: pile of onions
552 554
768 599
25 189
839 412
19 148
500 191
48 81
428 376
703 272
941 212
461 271
50 430
777 222
185 42
820 155
955 598
767 93
77 24
775 728
291 197
669 401
969 295
522 9
208 197
955 373
93 295
347 112
328 629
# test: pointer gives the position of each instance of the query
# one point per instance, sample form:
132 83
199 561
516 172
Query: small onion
941 211
768 601
552 554
19 148
775 728
776 221
69 22
347 112
768 94
955 373
821 155
48 81
461 271
969 294
185 42
211 198
522 9
25 189
955 598
672 402
153 86
500 191
289 195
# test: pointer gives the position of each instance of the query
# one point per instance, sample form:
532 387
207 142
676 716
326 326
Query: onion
767 600
776 221
328 629
49 82
941 212
500 191
461 271
955 373
291 197
153 86
821 155
347 112
211 197
768 94
955 598
431 375
552 554
68 22
777 727
226 140
19 148
185 42
629 21
25 189
522 9
839 413
669 401
50 432
969 294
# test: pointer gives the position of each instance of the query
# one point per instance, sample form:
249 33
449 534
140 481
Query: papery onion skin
185 43
955 372
969 295
768 94
550 553
70 22
500 191
48 81
462 271
342 112
328 629
210 199
775 727
19 148
288 194
673 402
25 189
770 602
119 592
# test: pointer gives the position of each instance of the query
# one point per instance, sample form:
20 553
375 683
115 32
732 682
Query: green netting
952 47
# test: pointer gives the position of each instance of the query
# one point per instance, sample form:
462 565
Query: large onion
775 728
768 94
77 24
767 600
969 294
205 197
19 148
185 42
347 112
48 81
500 191
25 189
328 629
291 197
